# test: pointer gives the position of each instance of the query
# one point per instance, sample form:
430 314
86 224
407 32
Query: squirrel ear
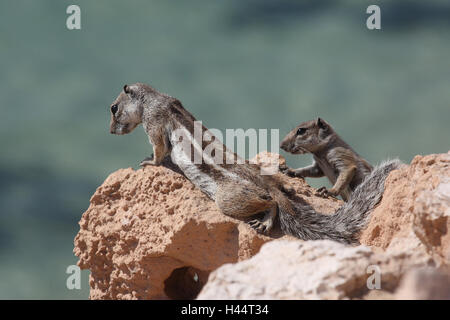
126 89
322 124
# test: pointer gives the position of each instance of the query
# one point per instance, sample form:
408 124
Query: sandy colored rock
424 284
407 233
414 213
316 270
150 234
309 270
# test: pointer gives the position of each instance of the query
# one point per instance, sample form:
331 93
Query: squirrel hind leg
240 201
265 224
243 202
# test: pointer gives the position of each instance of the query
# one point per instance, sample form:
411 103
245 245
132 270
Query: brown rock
304 270
408 232
424 284
324 269
320 269
414 214
150 234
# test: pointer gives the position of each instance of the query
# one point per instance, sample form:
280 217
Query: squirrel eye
114 109
301 131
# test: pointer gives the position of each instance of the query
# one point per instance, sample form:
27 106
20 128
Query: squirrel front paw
289 172
288 189
283 167
295 173
149 161
325 193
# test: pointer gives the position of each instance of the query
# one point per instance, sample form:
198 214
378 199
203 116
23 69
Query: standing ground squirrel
238 189
333 158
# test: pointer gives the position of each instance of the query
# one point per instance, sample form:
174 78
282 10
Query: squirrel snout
284 145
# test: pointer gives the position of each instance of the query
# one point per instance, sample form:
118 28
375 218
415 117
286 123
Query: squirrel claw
325 193
147 161
259 226
289 172
289 190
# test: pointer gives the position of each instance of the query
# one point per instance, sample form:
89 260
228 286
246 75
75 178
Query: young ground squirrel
333 158
239 190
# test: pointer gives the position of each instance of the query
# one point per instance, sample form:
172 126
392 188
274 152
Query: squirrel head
126 110
308 137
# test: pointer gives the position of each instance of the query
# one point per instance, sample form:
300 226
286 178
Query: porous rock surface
406 244
414 214
150 234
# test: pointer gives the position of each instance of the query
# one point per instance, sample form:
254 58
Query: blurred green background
233 64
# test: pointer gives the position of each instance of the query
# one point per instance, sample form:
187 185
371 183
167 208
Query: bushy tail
345 225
